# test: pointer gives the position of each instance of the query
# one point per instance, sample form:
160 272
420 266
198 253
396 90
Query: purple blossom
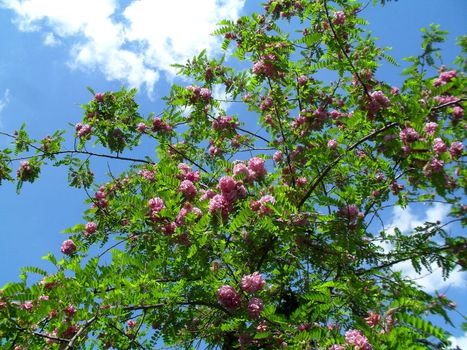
409 135
228 297
255 306
252 283
68 247
439 146
430 128
356 338
456 149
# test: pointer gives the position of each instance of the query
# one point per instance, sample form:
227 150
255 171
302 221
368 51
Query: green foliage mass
301 207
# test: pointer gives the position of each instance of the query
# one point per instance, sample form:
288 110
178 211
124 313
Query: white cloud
460 342
51 40
4 101
406 220
133 43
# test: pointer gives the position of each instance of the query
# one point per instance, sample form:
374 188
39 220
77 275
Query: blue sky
50 50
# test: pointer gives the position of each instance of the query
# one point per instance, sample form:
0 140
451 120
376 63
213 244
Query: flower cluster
409 135
160 125
90 228
231 190
224 123
357 339
444 78
228 297
156 204
255 306
68 247
349 211
373 319
83 130
188 189
265 66
187 173
252 283
25 171
378 101
101 198
199 94
263 205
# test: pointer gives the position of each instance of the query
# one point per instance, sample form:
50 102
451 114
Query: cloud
133 44
4 101
406 220
460 342
51 40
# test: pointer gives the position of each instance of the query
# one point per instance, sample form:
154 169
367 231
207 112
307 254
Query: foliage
202 246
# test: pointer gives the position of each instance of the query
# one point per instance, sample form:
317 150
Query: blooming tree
229 238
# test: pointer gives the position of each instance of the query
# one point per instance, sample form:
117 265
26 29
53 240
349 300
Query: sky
50 50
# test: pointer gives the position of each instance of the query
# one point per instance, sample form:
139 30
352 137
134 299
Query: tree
202 246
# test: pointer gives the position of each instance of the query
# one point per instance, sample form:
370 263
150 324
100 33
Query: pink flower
228 297
301 181
224 123
252 283
456 149
227 184
205 94
373 319
378 101
90 228
159 125
430 128
458 112
141 127
337 347
70 310
339 18
332 144
156 204
394 90
262 327
439 146
240 169
349 211
256 165
255 306
302 80
409 135
304 327
264 209
436 164
83 130
188 189
277 156
169 229
68 247
99 97
147 174
207 194
356 338
27 305
43 297
447 76
219 202
131 323
214 151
